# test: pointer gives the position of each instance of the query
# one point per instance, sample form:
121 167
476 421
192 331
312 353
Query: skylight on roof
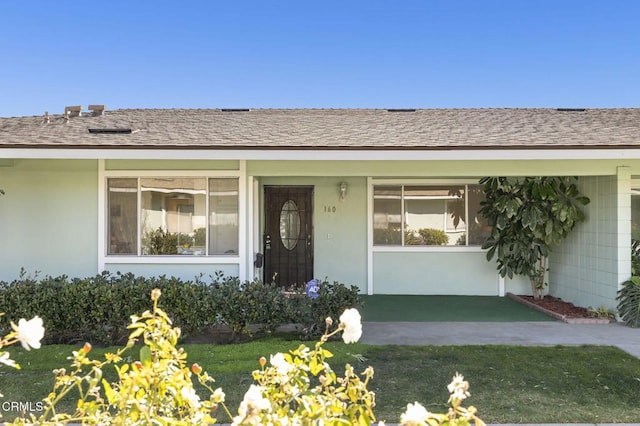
110 131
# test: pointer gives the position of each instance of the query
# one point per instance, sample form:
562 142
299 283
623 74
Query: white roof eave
321 154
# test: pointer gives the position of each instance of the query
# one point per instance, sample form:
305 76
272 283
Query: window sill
428 249
173 259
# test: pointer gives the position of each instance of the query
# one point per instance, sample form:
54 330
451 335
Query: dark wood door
288 243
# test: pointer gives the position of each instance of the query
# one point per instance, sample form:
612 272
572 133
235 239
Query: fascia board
320 155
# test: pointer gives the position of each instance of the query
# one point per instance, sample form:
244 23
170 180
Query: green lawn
509 384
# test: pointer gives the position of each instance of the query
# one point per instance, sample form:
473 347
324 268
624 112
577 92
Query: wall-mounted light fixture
343 191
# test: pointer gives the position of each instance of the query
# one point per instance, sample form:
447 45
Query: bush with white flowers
28 333
294 388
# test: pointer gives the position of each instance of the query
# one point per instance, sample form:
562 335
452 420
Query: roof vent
571 109
112 131
235 109
72 111
402 110
97 110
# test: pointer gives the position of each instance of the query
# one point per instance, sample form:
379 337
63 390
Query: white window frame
239 259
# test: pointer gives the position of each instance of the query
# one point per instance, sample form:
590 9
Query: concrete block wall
588 267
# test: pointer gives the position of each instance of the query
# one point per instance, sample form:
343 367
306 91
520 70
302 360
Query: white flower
251 406
350 321
280 363
458 388
4 359
218 395
29 332
415 415
189 394
254 400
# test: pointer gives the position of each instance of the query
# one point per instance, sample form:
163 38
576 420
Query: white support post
369 236
102 247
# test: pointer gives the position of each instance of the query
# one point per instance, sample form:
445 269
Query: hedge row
98 309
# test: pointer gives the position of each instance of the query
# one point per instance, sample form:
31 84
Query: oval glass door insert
289 225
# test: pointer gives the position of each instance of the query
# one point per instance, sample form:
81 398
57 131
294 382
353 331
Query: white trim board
320 154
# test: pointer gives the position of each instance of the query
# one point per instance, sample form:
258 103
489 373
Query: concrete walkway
501 333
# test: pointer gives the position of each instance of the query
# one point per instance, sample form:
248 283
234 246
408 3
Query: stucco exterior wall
588 267
204 272
439 273
171 165
49 220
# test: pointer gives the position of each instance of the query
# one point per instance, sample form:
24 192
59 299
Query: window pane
387 215
289 225
434 215
479 228
123 211
172 215
223 216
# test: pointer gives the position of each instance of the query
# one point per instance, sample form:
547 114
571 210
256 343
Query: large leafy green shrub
528 216
628 297
629 301
635 257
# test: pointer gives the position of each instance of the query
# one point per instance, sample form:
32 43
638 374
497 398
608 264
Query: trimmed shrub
333 299
97 309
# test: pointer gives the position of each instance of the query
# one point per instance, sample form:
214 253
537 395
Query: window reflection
428 215
289 225
176 216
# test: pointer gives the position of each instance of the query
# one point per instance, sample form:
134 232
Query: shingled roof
327 129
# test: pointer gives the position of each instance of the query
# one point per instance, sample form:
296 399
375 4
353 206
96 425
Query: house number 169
329 209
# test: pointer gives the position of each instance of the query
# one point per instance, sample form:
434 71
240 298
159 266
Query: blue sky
318 54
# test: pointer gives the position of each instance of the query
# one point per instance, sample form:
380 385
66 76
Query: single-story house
384 199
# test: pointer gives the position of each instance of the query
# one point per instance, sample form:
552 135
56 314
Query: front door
288 245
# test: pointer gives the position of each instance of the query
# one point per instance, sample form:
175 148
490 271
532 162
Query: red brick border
556 315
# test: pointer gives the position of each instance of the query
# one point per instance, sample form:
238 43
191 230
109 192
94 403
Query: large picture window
192 216
428 215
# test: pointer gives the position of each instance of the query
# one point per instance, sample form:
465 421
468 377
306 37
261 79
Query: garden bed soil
222 334
561 310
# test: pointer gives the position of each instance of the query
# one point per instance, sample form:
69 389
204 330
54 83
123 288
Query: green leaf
583 200
145 355
108 391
